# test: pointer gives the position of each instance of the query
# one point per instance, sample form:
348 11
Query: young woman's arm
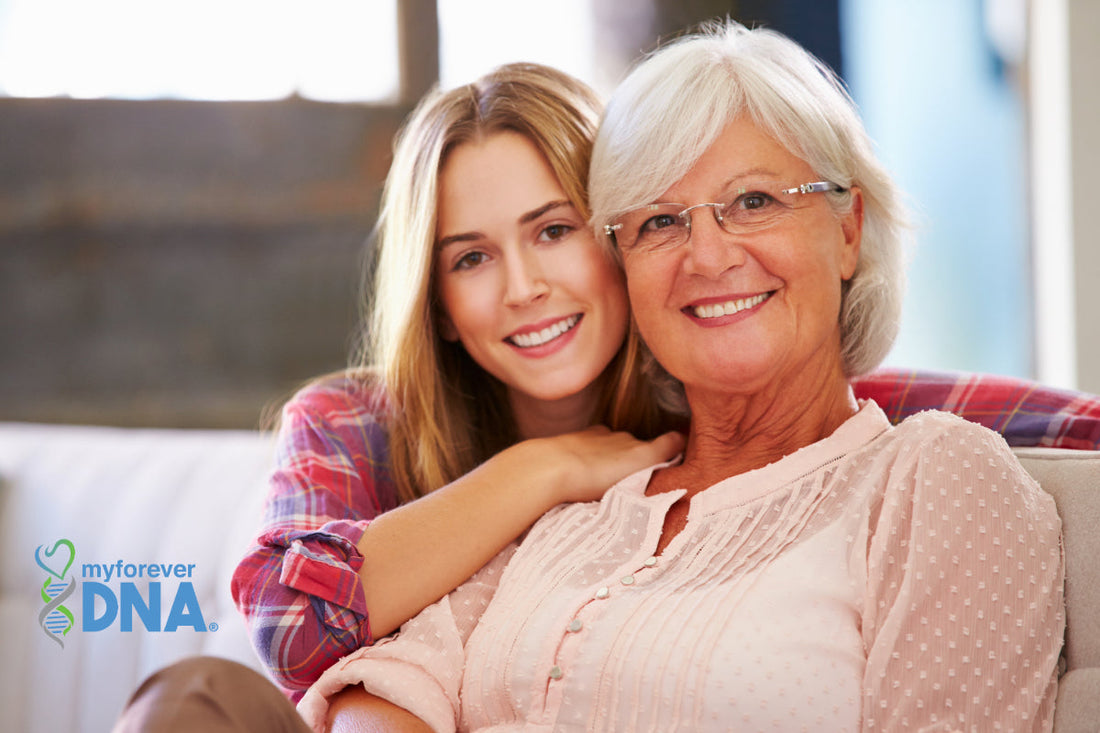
324 555
298 585
419 552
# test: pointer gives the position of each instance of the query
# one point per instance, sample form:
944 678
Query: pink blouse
883 578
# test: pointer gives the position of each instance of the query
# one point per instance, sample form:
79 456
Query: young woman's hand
593 460
417 552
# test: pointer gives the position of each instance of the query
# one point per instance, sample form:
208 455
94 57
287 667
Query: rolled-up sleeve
298 585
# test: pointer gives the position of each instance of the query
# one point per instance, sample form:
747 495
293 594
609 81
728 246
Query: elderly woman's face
733 312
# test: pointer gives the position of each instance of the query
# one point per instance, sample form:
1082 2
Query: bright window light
330 50
558 34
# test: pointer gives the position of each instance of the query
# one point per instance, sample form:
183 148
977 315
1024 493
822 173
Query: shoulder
943 432
343 413
948 457
949 481
345 398
338 426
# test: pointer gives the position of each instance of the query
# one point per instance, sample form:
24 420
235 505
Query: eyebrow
738 178
734 180
546 208
526 218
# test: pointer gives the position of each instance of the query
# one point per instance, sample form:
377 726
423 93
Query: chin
556 391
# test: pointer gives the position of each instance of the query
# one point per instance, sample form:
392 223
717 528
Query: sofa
187 502
156 519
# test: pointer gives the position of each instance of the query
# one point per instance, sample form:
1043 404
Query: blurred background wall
180 255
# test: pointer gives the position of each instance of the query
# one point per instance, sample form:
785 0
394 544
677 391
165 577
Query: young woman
498 323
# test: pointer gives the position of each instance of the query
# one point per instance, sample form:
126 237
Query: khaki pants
211 695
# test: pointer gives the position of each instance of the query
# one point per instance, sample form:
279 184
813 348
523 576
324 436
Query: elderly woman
806 566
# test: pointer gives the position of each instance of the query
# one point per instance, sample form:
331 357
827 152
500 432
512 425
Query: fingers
669 445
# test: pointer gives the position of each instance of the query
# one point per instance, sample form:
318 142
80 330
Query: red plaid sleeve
1025 413
298 585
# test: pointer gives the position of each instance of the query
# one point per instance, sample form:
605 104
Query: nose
711 249
524 279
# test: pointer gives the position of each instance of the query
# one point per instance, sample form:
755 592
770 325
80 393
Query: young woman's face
523 283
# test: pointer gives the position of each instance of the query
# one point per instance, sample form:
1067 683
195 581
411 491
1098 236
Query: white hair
676 103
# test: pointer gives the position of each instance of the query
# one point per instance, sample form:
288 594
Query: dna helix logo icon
55 619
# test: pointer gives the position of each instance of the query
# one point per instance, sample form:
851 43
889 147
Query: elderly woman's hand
354 710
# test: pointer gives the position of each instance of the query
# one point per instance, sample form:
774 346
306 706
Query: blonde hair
447 414
673 106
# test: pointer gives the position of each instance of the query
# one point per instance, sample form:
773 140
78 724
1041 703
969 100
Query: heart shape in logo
56 563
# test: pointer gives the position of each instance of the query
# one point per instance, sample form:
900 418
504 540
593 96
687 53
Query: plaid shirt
298 586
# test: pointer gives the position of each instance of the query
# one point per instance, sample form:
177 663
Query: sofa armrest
1072 477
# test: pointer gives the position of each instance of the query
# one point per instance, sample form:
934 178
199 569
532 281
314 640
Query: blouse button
574 626
555 672
650 562
603 592
627 580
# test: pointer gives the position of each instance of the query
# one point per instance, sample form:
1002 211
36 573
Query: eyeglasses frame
804 188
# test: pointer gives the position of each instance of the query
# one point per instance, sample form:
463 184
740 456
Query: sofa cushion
1026 413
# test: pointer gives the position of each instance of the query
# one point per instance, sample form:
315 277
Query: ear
851 224
446 326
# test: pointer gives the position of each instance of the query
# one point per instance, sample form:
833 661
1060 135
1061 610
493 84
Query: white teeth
717 310
538 338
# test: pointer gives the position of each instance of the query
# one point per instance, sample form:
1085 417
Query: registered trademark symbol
213 625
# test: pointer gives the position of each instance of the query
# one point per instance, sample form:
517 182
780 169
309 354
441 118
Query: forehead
742 151
500 174
505 157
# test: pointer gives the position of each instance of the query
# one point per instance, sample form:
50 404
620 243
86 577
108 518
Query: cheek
611 284
645 288
464 305
591 276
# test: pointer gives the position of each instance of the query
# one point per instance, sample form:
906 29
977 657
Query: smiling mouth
717 310
546 335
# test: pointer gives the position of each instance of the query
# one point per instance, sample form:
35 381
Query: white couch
194 498
139 496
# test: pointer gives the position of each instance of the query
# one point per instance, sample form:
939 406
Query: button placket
602 593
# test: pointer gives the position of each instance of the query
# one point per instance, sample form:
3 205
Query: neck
733 433
537 418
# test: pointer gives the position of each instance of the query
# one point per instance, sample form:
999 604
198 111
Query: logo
54 618
122 594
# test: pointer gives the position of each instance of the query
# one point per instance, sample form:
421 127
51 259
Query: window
948 119
559 34
331 50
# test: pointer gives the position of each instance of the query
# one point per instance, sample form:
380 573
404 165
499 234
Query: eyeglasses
750 208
